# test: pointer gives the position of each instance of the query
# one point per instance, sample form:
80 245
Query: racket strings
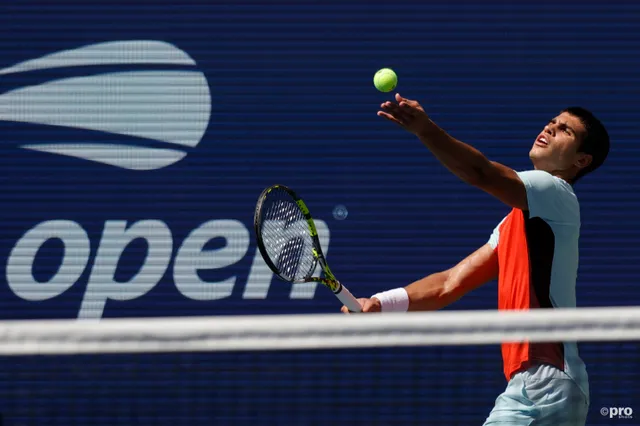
286 236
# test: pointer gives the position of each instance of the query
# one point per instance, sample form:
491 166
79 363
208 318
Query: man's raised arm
461 159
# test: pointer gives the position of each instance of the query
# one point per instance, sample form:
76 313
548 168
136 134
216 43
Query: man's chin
537 153
536 160
533 155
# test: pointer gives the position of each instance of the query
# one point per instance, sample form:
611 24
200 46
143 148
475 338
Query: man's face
556 147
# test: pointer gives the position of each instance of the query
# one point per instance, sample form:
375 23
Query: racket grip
348 300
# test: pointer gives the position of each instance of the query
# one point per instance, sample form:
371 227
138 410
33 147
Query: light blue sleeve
549 197
495 235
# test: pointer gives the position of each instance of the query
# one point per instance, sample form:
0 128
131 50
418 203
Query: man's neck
565 175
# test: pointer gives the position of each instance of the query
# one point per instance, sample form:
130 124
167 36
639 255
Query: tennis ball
385 80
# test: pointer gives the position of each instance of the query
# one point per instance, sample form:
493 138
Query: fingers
390 118
401 100
372 305
407 108
346 310
367 305
402 115
413 107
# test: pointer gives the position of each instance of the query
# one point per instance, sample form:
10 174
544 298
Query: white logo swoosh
170 106
128 157
110 53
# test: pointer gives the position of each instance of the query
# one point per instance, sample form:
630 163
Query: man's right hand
368 305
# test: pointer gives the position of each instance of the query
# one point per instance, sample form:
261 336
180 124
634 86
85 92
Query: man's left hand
406 113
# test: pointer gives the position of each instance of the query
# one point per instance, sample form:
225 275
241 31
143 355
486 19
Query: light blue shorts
540 396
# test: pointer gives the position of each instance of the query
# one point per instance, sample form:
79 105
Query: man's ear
583 160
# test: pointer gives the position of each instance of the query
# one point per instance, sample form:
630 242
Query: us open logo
617 412
168 109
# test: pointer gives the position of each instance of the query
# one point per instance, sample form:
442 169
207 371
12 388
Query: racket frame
329 280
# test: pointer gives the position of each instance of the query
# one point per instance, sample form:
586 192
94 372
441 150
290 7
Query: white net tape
323 331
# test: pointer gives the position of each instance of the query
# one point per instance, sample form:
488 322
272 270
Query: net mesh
299 370
285 235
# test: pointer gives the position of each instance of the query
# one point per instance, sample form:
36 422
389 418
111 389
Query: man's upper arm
478 268
503 183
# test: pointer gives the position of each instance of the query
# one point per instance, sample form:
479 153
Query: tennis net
415 368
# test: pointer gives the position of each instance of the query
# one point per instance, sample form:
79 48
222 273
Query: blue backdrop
137 138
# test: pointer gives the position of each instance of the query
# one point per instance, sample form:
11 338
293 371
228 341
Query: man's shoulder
542 177
550 197
546 182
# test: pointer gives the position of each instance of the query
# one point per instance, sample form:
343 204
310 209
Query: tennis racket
289 244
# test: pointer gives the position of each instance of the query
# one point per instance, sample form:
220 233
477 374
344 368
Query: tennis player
533 252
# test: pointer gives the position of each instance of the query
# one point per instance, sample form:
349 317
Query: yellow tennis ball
385 80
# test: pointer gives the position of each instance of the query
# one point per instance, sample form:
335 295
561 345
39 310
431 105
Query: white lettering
22 257
115 238
191 258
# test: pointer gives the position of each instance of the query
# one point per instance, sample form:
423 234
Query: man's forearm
461 159
429 293
443 288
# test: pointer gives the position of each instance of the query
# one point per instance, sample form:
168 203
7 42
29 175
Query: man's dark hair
596 143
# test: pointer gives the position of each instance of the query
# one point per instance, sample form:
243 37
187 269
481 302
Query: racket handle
347 299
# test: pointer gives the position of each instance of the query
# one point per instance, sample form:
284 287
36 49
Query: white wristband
396 300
